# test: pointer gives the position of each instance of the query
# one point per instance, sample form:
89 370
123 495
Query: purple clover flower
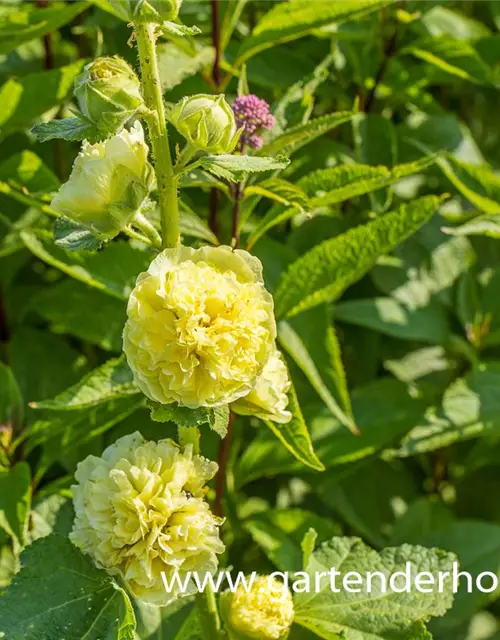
252 113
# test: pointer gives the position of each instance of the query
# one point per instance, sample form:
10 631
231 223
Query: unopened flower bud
109 182
263 612
138 11
207 122
108 93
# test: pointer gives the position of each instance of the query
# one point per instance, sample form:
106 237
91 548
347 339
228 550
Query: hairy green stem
153 98
142 223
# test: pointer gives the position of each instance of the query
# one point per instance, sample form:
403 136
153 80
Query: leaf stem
142 223
220 479
153 98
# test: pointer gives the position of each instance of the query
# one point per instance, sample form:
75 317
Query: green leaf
295 435
26 22
484 225
57 363
280 191
311 341
289 21
216 417
193 226
15 502
176 64
234 168
27 98
110 381
71 236
11 400
470 407
83 312
390 317
71 129
59 588
295 138
375 615
174 29
112 270
477 545
455 57
279 532
28 170
383 411
376 144
326 271
478 184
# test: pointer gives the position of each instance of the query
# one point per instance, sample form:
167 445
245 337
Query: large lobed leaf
376 615
328 269
60 594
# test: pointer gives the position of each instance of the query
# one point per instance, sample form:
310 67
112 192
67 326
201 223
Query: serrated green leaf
478 184
216 417
71 236
27 98
26 22
42 598
326 271
280 191
295 435
295 138
234 168
372 615
15 502
110 381
71 129
296 19
178 30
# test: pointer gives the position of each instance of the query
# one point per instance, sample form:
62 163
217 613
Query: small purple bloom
252 113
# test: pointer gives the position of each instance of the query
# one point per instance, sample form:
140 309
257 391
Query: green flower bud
108 93
207 122
108 184
138 11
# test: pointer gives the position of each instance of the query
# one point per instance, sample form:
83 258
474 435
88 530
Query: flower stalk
153 98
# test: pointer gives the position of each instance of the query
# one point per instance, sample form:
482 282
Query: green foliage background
387 297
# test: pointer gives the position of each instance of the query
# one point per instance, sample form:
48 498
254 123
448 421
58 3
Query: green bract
108 93
207 122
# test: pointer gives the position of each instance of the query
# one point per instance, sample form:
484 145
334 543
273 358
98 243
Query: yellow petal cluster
140 511
264 612
268 399
200 326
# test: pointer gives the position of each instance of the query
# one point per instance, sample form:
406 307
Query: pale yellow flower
268 399
265 612
108 183
140 512
200 326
